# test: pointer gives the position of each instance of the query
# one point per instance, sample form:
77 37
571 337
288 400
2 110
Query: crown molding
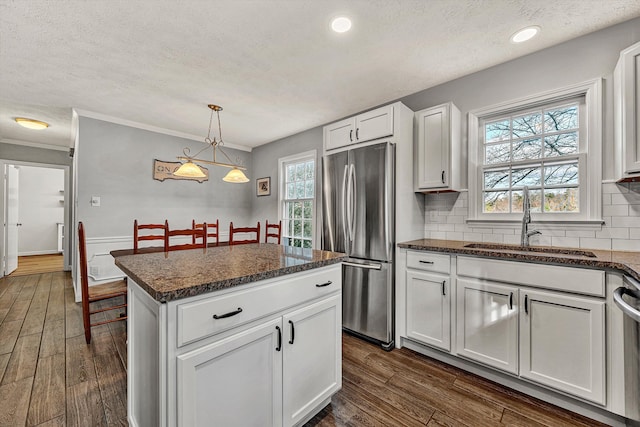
150 128
34 144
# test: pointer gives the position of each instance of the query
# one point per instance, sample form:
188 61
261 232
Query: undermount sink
502 247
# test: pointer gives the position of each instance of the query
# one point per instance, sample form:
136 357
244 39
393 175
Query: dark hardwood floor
50 377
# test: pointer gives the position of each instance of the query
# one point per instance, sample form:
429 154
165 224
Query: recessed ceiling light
341 24
31 123
525 34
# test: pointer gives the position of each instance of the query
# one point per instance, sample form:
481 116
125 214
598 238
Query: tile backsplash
446 215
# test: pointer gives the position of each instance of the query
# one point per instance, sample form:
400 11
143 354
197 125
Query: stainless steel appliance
630 306
358 219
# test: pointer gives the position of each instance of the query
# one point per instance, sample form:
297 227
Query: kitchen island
236 335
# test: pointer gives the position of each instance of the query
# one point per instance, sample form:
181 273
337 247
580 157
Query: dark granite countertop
625 262
179 274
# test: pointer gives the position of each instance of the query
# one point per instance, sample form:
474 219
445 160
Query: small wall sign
263 186
164 170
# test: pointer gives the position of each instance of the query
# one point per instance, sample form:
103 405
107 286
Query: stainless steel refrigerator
358 219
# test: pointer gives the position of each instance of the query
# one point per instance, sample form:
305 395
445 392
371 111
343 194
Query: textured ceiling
274 66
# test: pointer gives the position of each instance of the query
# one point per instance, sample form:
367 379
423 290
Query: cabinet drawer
429 261
195 319
567 279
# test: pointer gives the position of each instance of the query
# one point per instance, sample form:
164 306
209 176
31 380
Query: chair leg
86 319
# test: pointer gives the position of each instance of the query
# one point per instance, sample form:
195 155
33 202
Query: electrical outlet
95 201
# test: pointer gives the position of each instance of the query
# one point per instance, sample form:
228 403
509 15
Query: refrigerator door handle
344 205
366 266
352 202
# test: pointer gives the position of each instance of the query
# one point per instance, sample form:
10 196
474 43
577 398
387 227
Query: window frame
589 157
283 162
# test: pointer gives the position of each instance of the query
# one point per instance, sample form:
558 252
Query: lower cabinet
278 371
429 309
554 339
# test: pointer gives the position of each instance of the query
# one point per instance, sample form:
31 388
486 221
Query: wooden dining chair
243 230
137 237
276 231
95 293
213 230
197 238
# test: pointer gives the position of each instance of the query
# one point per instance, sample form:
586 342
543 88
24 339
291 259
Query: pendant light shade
189 170
235 175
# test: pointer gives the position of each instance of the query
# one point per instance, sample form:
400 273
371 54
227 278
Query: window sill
592 224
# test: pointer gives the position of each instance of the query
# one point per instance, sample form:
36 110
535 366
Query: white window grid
298 201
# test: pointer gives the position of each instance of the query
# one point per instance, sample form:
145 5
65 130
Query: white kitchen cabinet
438 151
266 353
312 348
428 308
627 113
487 323
220 381
562 342
364 127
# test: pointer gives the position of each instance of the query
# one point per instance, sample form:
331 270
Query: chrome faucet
526 219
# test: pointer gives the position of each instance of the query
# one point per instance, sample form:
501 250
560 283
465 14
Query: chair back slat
243 230
194 233
137 237
213 231
273 230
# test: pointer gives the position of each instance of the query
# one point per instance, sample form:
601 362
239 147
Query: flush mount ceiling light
31 123
525 34
341 24
190 169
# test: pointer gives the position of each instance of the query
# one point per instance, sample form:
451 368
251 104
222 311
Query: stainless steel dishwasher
627 298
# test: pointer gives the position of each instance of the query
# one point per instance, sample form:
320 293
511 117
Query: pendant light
190 169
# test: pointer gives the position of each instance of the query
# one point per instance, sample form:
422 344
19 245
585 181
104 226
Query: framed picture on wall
263 186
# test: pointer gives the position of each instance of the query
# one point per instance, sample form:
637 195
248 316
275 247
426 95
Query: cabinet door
433 146
312 357
628 71
339 134
562 342
374 124
233 382
487 323
429 309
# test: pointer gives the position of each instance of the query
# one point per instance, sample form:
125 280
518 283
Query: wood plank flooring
37 264
50 377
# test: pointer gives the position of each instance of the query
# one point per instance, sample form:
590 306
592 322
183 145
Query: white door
562 342
487 323
339 134
233 382
433 147
374 124
312 357
12 225
429 309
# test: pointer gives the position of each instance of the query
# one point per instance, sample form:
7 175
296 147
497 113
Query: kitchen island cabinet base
175 384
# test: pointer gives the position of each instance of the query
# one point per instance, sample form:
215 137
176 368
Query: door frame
67 209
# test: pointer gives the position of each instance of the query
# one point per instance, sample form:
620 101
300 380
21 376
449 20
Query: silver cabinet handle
623 305
367 266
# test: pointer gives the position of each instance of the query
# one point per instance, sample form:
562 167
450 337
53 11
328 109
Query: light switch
95 201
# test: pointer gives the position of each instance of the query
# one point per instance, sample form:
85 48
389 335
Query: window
297 199
541 143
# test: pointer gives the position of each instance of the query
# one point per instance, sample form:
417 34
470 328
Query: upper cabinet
627 113
364 127
437 149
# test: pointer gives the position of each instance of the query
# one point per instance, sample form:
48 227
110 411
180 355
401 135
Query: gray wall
23 153
265 163
115 162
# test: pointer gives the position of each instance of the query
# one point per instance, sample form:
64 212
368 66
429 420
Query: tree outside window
298 200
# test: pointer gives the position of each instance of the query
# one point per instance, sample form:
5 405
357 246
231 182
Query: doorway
35 212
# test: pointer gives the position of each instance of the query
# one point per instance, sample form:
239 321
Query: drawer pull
322 285
231 313
279 338
426 262
510 300
293 332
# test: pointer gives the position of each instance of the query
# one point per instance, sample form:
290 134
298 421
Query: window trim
592 93
295 158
